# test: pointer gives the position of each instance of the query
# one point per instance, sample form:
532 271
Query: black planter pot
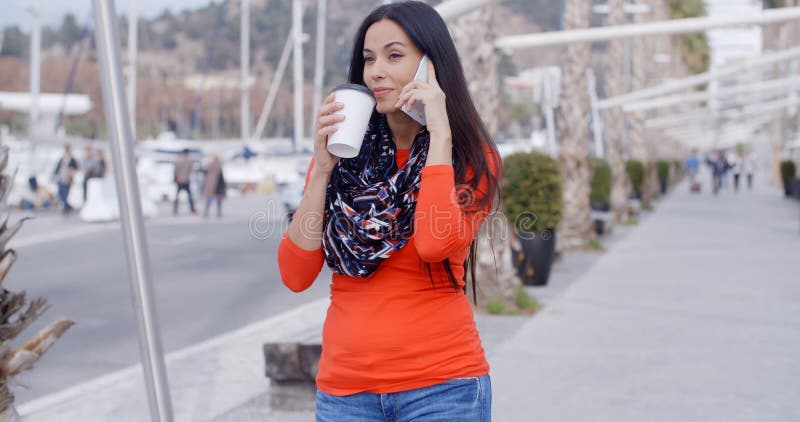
663 187
787 188
599 227
538 250
602 206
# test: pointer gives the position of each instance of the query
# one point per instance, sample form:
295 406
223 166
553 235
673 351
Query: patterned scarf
370 203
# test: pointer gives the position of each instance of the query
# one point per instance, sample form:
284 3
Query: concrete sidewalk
693 317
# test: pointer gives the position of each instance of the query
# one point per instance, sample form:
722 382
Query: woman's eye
368 59
395 55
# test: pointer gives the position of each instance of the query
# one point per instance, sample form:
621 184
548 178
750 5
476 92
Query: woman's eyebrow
389 44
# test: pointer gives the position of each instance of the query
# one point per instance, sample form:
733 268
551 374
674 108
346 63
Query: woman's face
390 62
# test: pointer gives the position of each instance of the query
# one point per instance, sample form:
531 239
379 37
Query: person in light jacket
183 176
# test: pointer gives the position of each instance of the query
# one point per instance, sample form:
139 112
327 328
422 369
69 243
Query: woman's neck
404 129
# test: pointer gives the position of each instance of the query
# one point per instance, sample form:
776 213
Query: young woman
396 225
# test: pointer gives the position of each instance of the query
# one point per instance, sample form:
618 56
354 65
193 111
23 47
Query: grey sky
53 10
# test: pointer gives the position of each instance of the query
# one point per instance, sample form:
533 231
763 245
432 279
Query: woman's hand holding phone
430 94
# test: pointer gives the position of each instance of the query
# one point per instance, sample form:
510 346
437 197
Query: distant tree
695 51
545 13
69 33
15 43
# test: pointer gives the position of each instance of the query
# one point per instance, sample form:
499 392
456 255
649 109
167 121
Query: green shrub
601 181
635 170
495 306
662 167
531 193
788 170
524 301
595 245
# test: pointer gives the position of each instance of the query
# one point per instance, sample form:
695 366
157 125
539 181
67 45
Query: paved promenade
692 315
695 316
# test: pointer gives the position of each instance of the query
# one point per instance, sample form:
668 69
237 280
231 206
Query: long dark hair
427 30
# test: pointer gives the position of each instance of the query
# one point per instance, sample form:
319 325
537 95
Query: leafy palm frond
15 317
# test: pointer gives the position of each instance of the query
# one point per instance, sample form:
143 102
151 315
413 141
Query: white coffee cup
358 106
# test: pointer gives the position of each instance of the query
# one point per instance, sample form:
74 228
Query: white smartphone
418 111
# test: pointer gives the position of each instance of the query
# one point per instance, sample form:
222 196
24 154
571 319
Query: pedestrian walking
214 187
735 165
65 171
718 167
399 337
100 156
93 167
749 168
183 177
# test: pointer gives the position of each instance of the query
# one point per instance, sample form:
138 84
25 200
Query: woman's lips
382 92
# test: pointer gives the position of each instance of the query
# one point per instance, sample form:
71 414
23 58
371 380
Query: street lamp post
297 25
133 30
319 60
36 65
120 134
245 56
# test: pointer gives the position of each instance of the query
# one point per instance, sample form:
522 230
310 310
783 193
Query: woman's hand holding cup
327 124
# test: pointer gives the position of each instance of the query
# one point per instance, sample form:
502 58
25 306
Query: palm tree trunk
660 45
615 85
571 120
474 35
641 65
785 34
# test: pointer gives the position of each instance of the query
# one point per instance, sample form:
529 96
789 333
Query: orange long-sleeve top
395 330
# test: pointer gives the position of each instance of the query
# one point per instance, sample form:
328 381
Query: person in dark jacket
214 188
64 173
719 165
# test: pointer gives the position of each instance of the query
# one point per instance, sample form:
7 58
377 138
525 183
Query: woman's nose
377 70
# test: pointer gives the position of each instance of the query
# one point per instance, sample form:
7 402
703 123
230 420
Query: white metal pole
700 78
706 116
793 69
133 30
319 60
36 65
761 87
122 154
245 59
272 93
297 24
714 104
674 26
453 8
277 77
597 126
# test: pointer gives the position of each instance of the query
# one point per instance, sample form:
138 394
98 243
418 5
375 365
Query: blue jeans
63 194
455 400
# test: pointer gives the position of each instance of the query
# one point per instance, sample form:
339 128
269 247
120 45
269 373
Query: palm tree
615 85
474 35
13 319
638 135
778 37
572 119
692 49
